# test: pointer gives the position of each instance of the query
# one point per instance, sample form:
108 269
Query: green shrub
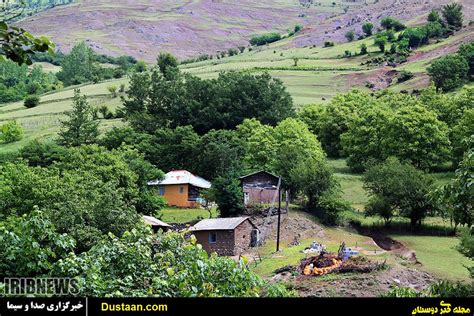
11 132
328 44
264 39
31 101
404 76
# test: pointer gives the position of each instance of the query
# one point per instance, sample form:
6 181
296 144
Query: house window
212 238
181 189
161 190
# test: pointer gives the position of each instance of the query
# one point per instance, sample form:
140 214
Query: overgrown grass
438 255
184 215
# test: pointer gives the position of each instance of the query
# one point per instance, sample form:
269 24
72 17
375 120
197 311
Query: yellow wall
174 197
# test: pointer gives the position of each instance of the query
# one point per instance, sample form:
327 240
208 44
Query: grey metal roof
219 223
150 220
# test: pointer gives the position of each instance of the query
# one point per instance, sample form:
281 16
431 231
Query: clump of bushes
264 39
31 101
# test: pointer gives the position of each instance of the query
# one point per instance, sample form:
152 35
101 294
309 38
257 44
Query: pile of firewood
332 263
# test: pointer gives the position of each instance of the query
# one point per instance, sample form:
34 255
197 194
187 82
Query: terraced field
43 121
321 73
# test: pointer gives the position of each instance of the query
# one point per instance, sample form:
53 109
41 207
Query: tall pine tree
80 127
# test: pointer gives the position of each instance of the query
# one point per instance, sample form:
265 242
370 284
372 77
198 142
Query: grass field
178 215
439 255
43 121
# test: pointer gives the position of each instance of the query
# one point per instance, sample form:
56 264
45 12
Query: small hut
226 236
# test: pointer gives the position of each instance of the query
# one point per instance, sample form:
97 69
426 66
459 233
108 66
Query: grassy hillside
184 27
43 121
189 28
322 72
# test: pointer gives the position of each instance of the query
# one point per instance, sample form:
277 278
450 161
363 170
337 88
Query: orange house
181 188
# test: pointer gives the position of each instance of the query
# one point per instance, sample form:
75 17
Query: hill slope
189 28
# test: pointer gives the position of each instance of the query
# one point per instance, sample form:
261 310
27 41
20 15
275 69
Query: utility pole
279 215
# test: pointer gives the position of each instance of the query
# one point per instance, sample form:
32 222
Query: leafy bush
401 187
330 207
11 132
404 75
390 23
449 72
350 35
31 101
367 28
30 245
264 39
165 265
328 44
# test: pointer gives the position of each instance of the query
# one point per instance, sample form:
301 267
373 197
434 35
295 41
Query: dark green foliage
378 206
19 46
335 118
466 246
328 44
440 289
223 103
434 16
11 132
350 35
30 245
330 207
264 39
87 192
17 81
227 193
41 153
77 66
453 15
168 65
55 59
232 51
31 101
390 23
449 72
80 127
367 28
404 75
467 51
220 151
456 198
166 265
83 65
416 36
380 41
402 187
363 49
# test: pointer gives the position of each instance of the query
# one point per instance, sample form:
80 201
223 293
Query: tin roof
182 177
150 220
219 223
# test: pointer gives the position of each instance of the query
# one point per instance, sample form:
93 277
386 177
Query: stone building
226 236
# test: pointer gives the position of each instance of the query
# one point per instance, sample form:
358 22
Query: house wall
224 245
243 237
174 197
259 188
228 242
260 195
